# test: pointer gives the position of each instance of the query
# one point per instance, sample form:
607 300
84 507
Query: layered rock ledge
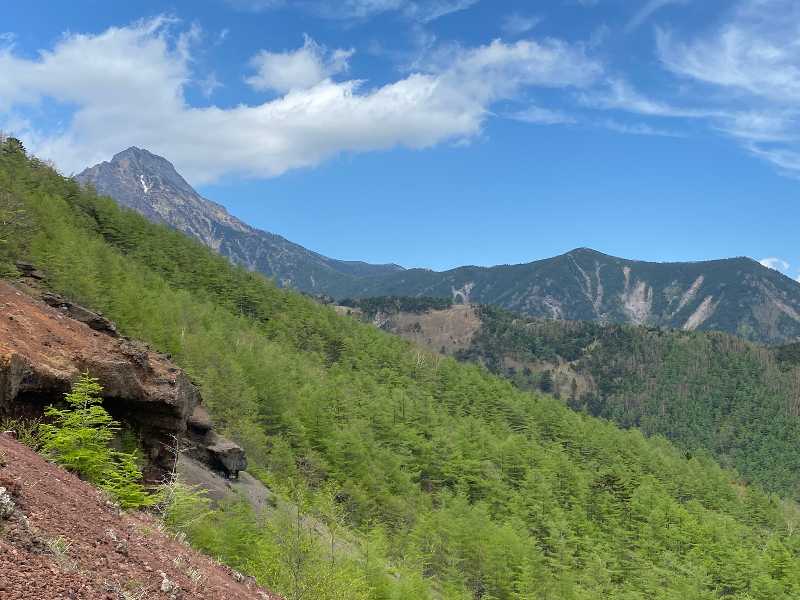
45 344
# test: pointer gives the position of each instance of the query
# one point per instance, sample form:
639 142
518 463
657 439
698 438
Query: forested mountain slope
466 486
703 390
736 295
150 185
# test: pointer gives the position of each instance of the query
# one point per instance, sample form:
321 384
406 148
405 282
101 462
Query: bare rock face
44 347
94 320
228 456
150 185
207 447
28 270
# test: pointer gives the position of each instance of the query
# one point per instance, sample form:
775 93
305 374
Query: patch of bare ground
451 329
62 540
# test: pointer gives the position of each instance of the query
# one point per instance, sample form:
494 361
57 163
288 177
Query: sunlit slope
479 490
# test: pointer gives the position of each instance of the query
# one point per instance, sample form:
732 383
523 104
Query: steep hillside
47 342
464 485
703 390
736 295
60 538
150 185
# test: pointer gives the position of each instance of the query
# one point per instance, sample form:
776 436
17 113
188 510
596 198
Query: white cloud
647 11
516 24
541 116
499 69
299 69
753 59
354 9
110 77
777 264
123 68
758 52
758 126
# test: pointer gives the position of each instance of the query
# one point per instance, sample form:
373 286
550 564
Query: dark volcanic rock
94 320
209 448
29 270
44 347
230 456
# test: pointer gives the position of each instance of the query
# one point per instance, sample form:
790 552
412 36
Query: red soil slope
64 541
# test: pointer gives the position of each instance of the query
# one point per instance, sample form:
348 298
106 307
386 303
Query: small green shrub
79 437
26 430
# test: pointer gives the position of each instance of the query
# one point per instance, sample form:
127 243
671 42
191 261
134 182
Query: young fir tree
79 439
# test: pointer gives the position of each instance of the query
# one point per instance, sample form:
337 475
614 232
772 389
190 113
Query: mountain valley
705 391
736 295
449 482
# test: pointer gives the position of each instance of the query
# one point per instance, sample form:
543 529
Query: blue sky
442 132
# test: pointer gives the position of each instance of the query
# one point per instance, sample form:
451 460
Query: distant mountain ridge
150 185
736 295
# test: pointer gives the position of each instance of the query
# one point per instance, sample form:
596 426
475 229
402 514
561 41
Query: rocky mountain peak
138 171
150 185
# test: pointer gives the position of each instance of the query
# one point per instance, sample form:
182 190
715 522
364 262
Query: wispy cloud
647 11
618 94
778 264
753 60
209 84
639 129
423 11
518 24
541 116
426 12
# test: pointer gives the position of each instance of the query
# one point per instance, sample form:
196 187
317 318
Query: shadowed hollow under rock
45 344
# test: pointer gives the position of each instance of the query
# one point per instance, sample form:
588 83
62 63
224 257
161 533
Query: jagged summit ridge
151 185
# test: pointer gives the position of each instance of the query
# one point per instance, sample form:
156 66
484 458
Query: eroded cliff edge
46 341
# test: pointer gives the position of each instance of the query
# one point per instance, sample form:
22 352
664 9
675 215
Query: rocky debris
94 320
221 489
45 346
63 549
7 505
28 270
169 587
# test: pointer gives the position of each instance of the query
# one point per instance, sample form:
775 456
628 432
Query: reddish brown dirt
53 342
65 541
